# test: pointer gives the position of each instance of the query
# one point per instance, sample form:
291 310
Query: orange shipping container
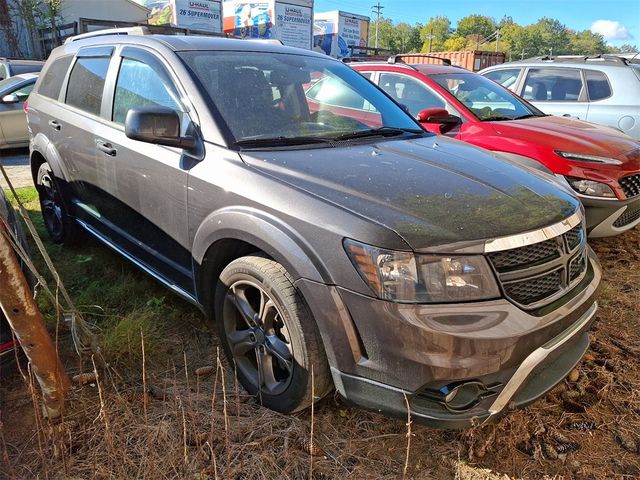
471 60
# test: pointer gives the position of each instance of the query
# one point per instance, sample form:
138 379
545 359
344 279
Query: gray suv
327 233
602 89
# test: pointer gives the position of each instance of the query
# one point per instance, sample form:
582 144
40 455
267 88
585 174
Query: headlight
406 277
583 157
591 188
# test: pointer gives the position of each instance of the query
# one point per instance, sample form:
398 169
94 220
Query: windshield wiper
279 141
376 132
495 119
529 115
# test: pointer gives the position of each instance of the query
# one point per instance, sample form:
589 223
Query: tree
385 33
455 44
434 33
587 43
549 36
476 25
627 48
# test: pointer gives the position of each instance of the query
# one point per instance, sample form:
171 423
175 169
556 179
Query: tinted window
366 75
507 77
553 84
86 84
51 81
597 85
3 72
140 85
410 92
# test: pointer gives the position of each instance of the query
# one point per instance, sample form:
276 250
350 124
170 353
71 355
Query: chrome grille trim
540 278
535 236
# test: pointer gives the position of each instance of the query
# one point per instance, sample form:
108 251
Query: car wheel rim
51 209
258 337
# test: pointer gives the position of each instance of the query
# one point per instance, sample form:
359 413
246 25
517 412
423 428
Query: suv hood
431 190
574 136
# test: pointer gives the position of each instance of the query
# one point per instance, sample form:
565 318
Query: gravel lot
16 163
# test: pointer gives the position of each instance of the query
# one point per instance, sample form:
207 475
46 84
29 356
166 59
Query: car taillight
25 106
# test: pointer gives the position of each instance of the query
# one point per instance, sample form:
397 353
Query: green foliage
438 30
476 25
119 300
546 36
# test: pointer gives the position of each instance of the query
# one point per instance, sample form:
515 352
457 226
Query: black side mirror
158 125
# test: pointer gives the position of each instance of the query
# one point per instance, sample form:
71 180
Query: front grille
627 218
531 254
631 185
535 275
533 290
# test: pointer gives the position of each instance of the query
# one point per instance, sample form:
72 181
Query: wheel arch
234 232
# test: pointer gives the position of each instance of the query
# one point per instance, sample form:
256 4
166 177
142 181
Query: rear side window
86 83
51 82
506 77
597 85
553 84
139 85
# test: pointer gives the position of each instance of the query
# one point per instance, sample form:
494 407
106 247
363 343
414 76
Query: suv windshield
294 99
487 100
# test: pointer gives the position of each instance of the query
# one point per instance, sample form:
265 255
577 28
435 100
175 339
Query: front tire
268 332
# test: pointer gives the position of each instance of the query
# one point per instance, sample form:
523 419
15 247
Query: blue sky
617 20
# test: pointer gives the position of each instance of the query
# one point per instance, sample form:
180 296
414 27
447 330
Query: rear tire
62 229
270 335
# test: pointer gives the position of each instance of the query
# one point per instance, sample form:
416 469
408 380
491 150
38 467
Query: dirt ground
171 423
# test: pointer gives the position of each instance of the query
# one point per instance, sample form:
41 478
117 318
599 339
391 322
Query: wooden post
28 325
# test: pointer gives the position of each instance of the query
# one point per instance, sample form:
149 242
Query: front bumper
606 218
384 355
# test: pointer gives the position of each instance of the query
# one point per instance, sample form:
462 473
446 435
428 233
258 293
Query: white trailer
334 32
290 21
203 15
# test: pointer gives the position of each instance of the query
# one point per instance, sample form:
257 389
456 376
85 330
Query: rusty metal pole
28 325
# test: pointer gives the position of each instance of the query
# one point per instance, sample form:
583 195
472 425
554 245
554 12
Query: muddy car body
389 260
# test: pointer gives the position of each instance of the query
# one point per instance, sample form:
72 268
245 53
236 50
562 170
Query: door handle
55 125
568 115
106 148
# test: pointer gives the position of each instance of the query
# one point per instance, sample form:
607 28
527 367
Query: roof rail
371 58
401 57
605 57
141 30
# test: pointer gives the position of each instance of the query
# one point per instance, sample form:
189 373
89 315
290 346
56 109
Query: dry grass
196 429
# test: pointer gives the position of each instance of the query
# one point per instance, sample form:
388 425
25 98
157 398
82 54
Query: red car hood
574 136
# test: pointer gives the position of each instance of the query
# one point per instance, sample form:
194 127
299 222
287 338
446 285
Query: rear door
556 91
74 130
146 184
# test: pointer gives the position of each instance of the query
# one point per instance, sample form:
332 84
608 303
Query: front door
146 184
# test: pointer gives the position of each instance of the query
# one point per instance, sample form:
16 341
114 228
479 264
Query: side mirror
158 125
11 98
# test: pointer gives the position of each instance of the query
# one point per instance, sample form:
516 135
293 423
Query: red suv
601 164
